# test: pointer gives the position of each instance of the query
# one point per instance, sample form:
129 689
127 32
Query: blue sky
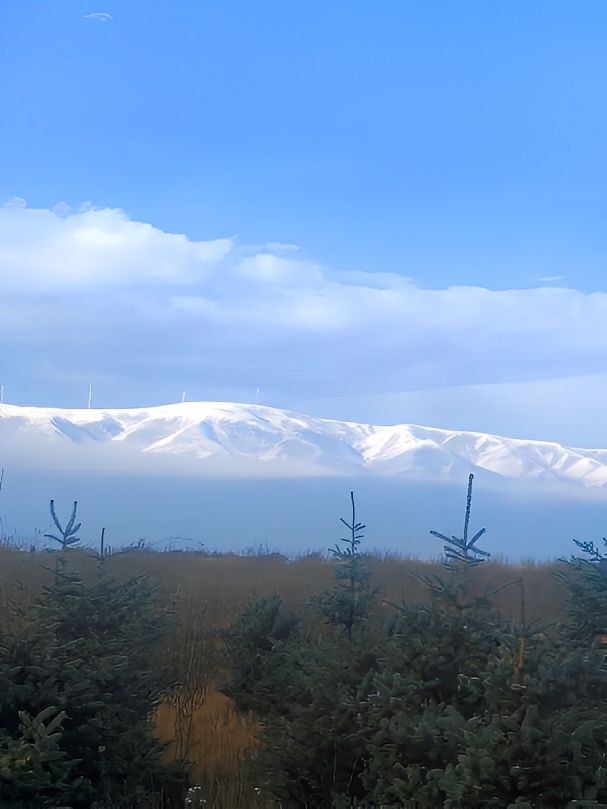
440 168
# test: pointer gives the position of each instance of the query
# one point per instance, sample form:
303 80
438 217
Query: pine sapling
462 553
586 579
461 556
348 603
67 536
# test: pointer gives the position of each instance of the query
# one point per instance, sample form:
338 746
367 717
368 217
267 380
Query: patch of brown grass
220 739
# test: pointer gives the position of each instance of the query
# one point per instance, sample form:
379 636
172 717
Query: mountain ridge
266 437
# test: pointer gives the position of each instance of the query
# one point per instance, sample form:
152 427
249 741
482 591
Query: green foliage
470 711
448 723
33 766
258 646
585 578
347 605
303 686
104 635
451 706
310 755
87 653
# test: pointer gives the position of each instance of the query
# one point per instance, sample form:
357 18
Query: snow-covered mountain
212 437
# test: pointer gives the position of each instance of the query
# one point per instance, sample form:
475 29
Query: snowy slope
212 432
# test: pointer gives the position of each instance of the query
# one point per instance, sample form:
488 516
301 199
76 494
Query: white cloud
282 247
44 250
96 292
16 202
548 279
98 16
273 269
61 209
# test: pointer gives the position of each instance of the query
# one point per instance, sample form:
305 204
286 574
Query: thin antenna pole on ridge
257 399
183 397
90 399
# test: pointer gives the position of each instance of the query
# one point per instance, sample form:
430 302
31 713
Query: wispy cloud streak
98 16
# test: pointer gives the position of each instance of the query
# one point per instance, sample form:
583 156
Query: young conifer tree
90 656
302 679
348 604
585 577
102 639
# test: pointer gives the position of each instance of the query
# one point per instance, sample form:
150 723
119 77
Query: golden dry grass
221 584
220 739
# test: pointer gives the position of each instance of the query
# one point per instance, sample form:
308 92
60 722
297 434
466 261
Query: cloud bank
47 252
96 295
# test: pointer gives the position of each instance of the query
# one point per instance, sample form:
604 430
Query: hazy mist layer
295 516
